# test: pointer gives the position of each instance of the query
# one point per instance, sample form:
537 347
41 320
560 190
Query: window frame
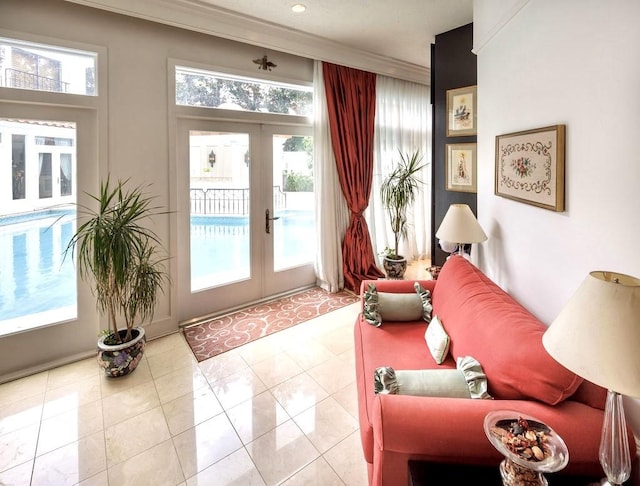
19 42
235 75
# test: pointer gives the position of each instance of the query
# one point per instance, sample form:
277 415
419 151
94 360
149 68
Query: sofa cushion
437 340
485 322
467 381
396 307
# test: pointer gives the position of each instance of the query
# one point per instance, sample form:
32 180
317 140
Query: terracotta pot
395 267
121 359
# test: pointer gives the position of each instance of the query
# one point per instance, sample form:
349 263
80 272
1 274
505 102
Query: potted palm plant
122 261
398 192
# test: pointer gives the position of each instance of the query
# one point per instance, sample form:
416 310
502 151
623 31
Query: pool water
35 277
221 246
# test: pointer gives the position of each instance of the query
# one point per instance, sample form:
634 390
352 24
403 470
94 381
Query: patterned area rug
215 336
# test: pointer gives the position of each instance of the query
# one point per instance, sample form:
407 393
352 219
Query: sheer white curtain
403 123
332 213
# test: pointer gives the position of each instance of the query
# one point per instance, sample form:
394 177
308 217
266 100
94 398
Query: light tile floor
279 410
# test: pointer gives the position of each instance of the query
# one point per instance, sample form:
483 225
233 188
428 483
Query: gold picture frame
462 109
530 167
462 167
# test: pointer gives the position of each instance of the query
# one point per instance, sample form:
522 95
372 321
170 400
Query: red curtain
351 104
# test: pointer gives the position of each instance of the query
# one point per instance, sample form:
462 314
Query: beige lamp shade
460 226
597 334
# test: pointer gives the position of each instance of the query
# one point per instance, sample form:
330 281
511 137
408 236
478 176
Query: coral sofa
483 322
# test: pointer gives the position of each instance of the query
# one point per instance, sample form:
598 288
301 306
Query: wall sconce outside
247 159
212 158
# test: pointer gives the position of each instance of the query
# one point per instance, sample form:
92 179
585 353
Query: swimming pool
35 277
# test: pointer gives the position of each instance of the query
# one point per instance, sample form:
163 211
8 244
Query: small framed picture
462 167
462 109
530 167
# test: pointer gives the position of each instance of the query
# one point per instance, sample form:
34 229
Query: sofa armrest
428 426
451 430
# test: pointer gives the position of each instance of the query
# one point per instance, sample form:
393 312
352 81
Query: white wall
573 62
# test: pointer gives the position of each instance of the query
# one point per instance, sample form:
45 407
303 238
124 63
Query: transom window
196 87
41 67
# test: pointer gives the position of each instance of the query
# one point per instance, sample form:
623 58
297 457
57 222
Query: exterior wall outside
542 63
21 192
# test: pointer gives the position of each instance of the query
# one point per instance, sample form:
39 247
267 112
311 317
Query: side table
434 270
429 473
424 473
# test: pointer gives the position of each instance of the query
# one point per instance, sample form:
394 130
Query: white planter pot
395 267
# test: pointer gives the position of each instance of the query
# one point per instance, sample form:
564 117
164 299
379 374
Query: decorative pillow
474 376
423 383
437 340
467 381
425 298
398 307
370 306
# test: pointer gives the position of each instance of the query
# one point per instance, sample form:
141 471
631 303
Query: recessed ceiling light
298 8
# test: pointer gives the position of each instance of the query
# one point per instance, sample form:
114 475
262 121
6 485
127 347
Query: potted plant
121 259
398 192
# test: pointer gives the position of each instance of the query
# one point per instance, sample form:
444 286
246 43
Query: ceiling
383 36
401 29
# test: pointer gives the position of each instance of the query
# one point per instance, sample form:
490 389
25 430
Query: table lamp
596 335
460 226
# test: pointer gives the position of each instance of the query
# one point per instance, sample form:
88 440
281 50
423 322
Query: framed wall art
462 108
530 167
462 167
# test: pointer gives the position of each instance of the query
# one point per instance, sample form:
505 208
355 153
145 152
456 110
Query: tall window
18 169
403 124
66 174
45 182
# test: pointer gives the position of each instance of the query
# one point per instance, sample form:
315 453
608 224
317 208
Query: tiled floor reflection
280 410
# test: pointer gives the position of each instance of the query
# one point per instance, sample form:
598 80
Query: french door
246 218
48 160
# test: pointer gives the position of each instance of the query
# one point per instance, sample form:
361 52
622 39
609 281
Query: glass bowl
556 452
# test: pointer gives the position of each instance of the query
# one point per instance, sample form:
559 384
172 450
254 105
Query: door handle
267 220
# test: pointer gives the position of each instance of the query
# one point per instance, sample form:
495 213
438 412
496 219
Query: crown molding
201 17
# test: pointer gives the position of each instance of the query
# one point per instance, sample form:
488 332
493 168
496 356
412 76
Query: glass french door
48 164
246 220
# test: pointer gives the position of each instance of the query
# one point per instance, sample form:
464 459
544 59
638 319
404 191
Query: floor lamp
596 335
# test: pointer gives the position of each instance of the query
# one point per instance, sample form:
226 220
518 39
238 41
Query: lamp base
614 449
603 482
514 475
